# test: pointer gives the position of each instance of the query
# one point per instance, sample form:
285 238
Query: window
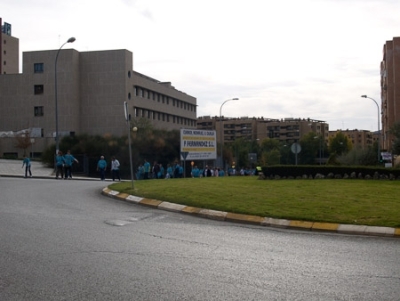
38 111
38 89
38 68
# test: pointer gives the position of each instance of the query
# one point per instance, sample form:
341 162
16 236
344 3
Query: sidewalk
13 168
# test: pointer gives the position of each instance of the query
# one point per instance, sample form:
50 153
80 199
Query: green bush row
295 171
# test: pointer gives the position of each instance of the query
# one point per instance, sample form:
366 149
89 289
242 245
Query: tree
358 156
310 145
339 144
23 141
270 151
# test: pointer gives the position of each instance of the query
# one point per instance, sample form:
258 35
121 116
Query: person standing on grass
101 167
146 166
60 161
27 163
170 172
207 172
115 169
69 159
195 172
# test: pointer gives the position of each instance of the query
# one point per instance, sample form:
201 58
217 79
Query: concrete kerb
256 220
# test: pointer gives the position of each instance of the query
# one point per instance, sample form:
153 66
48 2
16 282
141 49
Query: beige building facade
287 130
360 139
91 90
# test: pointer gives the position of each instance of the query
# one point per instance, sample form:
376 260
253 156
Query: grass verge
363 202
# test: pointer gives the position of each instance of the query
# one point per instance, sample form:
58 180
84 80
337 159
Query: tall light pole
221 130
379 126
134 129
70 40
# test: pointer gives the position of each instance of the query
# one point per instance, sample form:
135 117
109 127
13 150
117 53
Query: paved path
14 168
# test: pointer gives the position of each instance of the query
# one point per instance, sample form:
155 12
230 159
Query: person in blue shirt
170 172
146 166
101 167
195 172
60 161
69 159
27 164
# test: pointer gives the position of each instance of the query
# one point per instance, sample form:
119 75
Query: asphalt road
63 240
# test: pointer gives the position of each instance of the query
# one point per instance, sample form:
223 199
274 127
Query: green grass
364 202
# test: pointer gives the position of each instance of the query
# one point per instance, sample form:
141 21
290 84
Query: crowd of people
147 171
157 171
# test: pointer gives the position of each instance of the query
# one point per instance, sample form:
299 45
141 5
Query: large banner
198 145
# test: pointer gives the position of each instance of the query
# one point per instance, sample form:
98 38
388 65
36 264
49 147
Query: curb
77 178
256 220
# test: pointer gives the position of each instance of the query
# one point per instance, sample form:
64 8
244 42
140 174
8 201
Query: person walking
206 172
27 163
101 167
195 172
115 169
60 161
69 160
170 172
146 166
156 169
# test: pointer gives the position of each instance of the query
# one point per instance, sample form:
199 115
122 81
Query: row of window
39 111
144 93
153 115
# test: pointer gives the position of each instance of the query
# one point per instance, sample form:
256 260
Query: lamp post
320 140
379 126
221 130
70 40
134 129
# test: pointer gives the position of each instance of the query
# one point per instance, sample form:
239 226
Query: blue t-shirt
26 162
195 172
69 159
60 160
102 164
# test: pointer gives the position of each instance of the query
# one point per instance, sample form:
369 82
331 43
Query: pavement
12 168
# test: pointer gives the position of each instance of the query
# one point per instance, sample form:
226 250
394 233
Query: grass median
363 202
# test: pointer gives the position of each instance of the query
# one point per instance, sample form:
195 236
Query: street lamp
221 129
379 126
320 141
134 129
70 40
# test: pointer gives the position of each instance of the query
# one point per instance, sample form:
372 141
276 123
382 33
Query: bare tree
23 141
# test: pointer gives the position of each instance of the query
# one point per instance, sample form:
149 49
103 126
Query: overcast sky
287 58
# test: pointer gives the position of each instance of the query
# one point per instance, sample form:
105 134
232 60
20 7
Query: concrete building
360 139
390 90
286 130
91 90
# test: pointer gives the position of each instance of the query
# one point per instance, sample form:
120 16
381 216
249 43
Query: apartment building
360 139
287 130
91 90
390 90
